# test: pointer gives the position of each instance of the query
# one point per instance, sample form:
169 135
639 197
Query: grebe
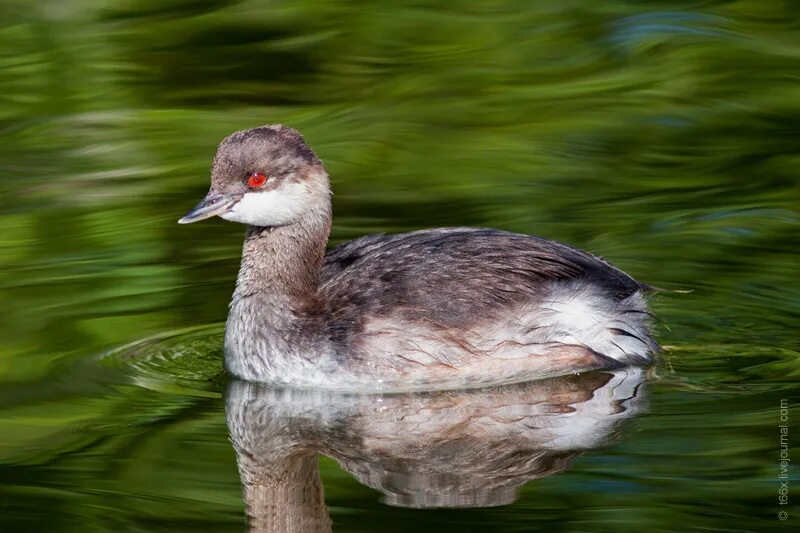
433 309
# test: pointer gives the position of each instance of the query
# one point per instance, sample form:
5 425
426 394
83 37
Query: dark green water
663 135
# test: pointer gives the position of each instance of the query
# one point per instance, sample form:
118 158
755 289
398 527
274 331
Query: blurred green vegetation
662 135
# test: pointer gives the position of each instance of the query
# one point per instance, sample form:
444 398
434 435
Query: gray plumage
453 274
442 308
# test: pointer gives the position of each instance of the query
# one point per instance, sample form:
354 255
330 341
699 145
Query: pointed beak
212 205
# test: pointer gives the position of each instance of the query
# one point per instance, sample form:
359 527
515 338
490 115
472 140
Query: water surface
662 135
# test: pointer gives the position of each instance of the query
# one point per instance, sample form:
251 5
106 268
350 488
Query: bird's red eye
256 179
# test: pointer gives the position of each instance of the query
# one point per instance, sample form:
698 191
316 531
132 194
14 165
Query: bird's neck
281 265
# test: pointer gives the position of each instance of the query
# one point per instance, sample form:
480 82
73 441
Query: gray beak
212 205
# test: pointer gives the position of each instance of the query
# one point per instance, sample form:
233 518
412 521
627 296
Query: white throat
278 207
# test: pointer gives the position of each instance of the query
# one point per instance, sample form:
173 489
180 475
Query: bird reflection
447 449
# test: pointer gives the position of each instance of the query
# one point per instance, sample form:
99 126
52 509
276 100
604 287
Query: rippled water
662 135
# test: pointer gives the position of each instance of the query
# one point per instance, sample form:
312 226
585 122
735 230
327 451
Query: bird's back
470 305
457 274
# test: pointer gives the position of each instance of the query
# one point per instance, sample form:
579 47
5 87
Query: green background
662 135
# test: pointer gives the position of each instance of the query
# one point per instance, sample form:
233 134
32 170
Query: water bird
444 308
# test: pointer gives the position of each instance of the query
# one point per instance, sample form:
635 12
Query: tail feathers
585 315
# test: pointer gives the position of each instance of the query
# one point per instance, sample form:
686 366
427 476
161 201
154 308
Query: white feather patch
279 207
